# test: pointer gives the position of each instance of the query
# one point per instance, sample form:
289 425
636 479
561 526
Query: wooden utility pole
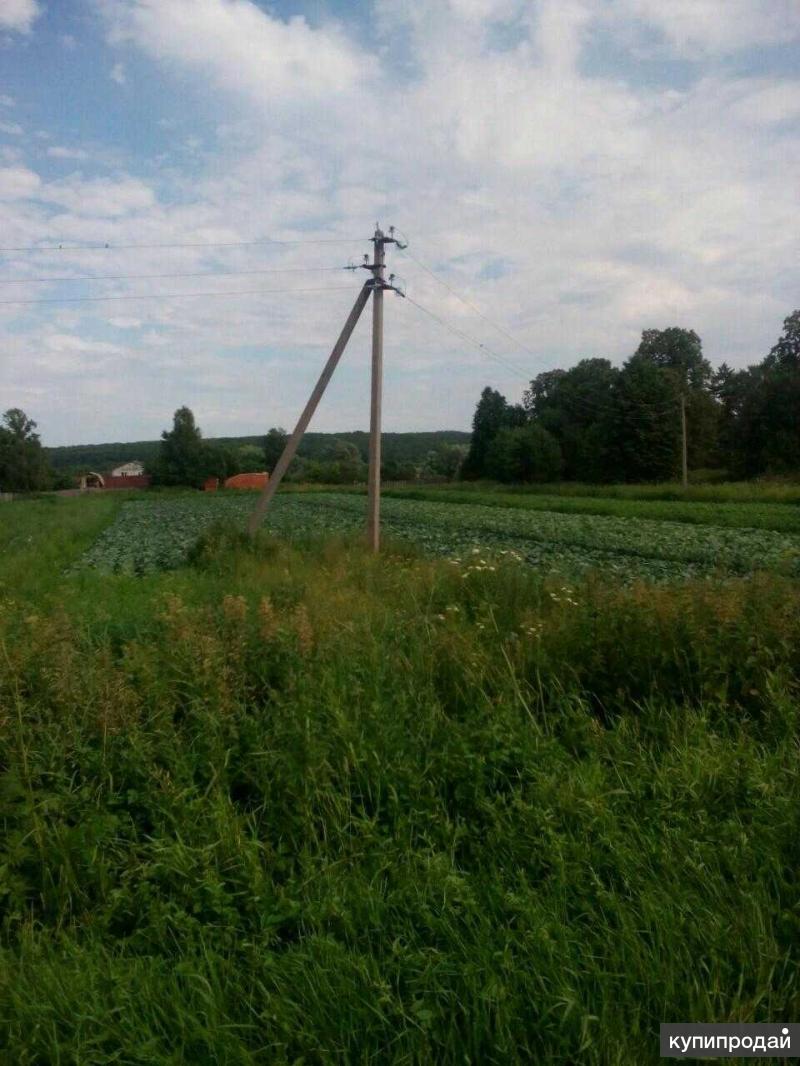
376 396
684 444
288 453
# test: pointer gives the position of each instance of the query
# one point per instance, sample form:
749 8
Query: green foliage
492 414
155 534
340 464
444 461
313 805
23 464
578 407
274 443
404 450
625 425
186 459
524 454
763 408
648 440
678 351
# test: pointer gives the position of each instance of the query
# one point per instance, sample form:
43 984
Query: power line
171 295
471 305
106 246
176 274
470 340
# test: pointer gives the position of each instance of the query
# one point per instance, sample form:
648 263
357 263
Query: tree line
594 422
186 458
600 423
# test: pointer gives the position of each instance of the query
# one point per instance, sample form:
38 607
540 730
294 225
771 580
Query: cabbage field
158 533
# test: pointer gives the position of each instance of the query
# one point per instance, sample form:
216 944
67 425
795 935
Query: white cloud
19 15
13 129
69 42
100 197
125 322
240 46
7 101
57 151
702 27
768 103
118 74
18 183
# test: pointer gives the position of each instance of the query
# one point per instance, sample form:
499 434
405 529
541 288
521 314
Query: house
132 469
127 476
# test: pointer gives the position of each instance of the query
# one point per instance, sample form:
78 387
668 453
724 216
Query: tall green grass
40 538
302 804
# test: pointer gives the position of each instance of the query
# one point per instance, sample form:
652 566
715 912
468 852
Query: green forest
400 450
599 423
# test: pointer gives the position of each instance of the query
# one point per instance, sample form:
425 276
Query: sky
566 173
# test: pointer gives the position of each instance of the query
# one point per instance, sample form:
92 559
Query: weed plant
300 804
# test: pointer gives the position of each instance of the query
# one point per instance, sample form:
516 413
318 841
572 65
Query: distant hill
397 447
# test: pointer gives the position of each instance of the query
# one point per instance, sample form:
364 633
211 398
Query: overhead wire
172 274
172 295
470 304
489 352
108 246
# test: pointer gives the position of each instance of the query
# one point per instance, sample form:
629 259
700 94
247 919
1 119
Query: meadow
517 790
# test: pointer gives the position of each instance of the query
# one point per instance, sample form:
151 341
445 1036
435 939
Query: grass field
285 802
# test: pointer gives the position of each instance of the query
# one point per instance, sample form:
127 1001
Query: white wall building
132 469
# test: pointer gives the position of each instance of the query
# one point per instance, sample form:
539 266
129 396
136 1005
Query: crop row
156 534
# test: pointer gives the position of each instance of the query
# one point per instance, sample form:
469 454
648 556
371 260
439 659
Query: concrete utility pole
684 444
376 397
375 287
377 266
288 452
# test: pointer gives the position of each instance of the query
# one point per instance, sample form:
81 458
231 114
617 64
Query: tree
492 414
541 392
247 458
679 351
444 461
759 419
23 464
346 466
786 352
648 437
576 406
184 457
524 454
274 443
17 423
766 427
